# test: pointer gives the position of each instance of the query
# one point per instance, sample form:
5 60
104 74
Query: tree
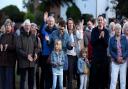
44 4
13 13
73 12
87 17
37 7
122 8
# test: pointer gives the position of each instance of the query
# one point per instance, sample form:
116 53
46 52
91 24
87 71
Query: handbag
86 69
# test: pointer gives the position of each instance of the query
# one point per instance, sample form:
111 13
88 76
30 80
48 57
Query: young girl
57 61
83 68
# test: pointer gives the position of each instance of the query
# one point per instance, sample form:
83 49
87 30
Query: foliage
13 13
30 16
122 8
73 12
87 17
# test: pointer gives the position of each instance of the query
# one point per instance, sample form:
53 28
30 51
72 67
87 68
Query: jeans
83 81
7 77
115 70
23 72
55 81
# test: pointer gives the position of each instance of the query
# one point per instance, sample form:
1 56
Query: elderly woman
119 52
7 57
111 29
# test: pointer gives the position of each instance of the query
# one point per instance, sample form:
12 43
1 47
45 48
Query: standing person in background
82 38
34 32
7 58
47 28
83 68
118 47
112 29
125 29
87 33
27 50
2 30
57 61
99 72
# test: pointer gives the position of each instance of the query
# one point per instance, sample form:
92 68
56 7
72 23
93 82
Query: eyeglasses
61 28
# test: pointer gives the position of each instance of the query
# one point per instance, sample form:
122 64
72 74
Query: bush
13 13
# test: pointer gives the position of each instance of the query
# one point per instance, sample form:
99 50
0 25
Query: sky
18 3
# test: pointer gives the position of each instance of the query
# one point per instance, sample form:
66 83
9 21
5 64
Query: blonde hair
57 41
84 50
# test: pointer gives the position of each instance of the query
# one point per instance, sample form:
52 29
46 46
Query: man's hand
47 38
45 16
101 34
35 57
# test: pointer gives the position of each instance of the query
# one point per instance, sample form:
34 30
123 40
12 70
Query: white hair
117 26
26 22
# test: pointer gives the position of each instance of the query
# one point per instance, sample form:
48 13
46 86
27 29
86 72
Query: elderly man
47 28
27 50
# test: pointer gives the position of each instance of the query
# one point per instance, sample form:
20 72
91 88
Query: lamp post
96 8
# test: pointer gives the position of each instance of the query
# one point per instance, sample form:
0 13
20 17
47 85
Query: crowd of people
69 54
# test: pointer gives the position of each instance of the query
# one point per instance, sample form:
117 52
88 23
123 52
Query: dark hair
62 23
101 16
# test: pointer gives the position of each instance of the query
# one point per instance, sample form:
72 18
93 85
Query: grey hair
125 26
51 18
111 25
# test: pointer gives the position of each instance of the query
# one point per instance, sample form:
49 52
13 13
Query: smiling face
61 29
70 24
84 53
51 21
100 22
117 30
33 29
58 45
27 27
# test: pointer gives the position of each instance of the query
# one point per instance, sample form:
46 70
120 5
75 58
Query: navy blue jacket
46 49
99 44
